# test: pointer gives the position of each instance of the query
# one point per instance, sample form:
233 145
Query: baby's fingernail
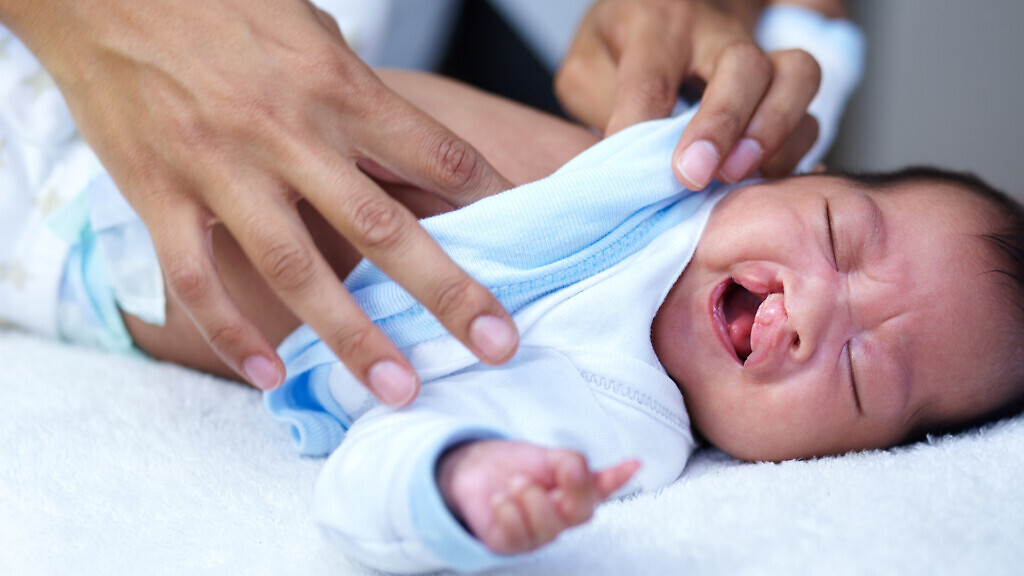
394 385
742 159
261 372
698 164
498 499
493 337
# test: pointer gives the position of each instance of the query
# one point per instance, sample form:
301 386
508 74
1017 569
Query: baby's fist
516 497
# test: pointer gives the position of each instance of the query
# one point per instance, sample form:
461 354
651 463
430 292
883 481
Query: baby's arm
412 489
515 497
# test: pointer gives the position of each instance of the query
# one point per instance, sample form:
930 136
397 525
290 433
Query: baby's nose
818 313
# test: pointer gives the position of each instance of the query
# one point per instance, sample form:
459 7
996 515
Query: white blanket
114 465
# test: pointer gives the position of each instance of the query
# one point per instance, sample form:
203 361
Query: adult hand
630 58
231 111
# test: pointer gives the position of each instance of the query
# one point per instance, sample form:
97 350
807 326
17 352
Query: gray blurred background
944 85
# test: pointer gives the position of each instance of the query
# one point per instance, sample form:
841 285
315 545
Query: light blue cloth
112 267
601 207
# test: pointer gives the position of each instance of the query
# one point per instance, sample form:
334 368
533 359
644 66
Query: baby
800 317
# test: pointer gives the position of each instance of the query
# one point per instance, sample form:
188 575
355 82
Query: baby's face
817 318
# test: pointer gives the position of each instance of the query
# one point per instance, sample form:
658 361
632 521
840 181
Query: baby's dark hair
1005 240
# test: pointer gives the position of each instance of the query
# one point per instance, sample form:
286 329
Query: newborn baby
818 315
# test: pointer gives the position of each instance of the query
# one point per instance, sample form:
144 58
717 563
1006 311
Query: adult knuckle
578 91
191 130
725 123
749 58
325 63
455 162
287 264
352 342
261 115
225 336
377 223
804 66
655 90
452 296
569 79
186 278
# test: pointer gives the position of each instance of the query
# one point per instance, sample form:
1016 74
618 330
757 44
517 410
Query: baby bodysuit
583 260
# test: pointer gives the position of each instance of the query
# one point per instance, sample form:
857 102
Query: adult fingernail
261 372
698 164
742 159
493 337
394 385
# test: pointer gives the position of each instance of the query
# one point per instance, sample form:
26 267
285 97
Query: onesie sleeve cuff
437 527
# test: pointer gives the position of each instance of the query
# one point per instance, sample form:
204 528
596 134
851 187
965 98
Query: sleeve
377 498
378 501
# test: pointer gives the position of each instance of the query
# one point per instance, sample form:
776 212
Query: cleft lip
759 288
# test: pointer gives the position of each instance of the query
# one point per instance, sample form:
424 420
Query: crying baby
824 314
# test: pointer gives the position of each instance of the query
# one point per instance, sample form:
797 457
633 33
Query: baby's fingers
576 494
509 533
611 479
525 518
540 512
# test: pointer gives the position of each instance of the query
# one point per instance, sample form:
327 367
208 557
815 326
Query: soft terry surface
112 465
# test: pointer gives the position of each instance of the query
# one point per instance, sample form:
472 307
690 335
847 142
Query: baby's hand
515 497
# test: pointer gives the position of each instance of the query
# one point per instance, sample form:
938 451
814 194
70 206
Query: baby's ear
819 168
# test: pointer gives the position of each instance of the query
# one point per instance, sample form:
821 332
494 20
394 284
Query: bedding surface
118 465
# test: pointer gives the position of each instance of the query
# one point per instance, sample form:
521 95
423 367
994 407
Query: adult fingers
389 235
182 241
786 158
421 151
586 80
795 80
274 239
742 73
651 65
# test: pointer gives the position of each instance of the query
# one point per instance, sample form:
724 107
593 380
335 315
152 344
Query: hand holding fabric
631 57
229 111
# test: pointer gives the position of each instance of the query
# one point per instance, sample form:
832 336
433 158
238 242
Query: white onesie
585 377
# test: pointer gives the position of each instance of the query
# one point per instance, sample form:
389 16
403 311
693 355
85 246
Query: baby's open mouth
739 308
